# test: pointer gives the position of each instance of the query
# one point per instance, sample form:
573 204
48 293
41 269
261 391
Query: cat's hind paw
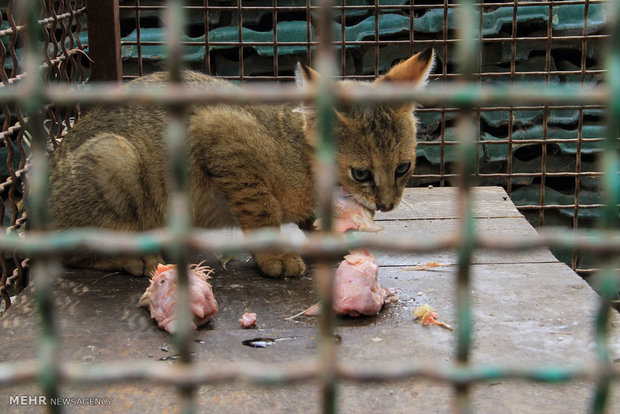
280 264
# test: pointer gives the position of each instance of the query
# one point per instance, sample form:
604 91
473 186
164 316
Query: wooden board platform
529 309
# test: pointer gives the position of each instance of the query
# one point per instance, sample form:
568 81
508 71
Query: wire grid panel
62 23
50 371
543 155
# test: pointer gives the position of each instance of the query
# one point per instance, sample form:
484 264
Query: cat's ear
305 75
413 70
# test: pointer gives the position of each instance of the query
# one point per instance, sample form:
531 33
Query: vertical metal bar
511 117
275 39
104 40
376 16
179 222
582 77
326 173
240 31
308 33
607 283
444 72
44 272
546 110
207 41
343 42
139 37
467 52
411 27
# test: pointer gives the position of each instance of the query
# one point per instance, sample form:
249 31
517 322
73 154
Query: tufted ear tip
305 74
413 70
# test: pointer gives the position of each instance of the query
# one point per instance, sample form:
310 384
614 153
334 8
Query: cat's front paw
280 264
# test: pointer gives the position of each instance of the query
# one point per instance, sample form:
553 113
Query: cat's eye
361 176
402 169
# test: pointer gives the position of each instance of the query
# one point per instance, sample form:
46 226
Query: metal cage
481 100
543 155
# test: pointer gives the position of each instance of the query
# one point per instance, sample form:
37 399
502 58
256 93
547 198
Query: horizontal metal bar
558 206
367 42
463 95
205 241
515 141
363 7
13 373
506 75
511 175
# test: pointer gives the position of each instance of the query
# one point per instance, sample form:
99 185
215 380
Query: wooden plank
442 203
419 229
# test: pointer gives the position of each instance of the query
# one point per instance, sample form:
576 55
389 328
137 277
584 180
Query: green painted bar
607 284
43 270
114 243
325 181
467 52
178 220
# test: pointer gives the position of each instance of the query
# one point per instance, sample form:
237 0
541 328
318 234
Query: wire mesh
62 23
479 93
543 155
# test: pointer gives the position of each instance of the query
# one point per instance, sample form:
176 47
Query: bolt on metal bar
467 51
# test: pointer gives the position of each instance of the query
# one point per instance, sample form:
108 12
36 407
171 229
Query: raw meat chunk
356 287
160 296
247 320
351 215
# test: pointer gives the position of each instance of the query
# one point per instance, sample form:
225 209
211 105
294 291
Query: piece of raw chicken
356 287
351 215
248 320
160 296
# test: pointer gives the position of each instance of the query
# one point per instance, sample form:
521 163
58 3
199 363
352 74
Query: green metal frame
42 245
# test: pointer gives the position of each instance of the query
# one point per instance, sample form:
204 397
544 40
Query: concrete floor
529 310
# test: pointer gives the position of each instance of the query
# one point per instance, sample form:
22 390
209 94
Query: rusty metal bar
104 40
381 7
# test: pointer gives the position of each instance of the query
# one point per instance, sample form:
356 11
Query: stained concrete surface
529 310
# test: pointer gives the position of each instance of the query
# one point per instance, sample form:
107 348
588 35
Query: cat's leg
255 207
144 266
278 264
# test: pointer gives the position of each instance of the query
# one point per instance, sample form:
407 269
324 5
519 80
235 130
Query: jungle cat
251 165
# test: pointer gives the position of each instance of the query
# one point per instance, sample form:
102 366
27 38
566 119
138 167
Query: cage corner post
104 40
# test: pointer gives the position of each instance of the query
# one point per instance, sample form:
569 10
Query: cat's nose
386 207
